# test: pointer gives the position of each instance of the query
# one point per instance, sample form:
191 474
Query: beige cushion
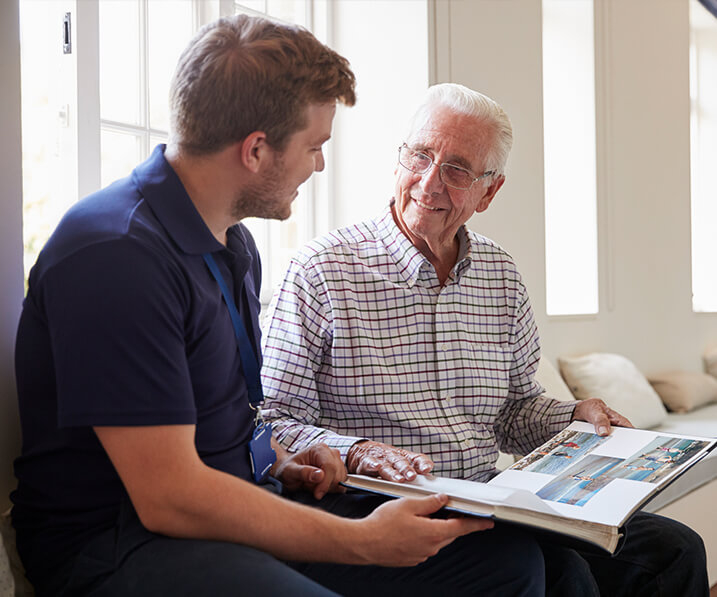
7 582
548 377
12 575
618 382
683 391
710 361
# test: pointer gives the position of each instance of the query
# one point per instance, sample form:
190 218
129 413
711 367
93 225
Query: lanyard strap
249 361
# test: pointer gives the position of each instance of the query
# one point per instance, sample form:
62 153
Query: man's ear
490 192
254 150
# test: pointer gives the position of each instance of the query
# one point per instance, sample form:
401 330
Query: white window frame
703 131
315 215
571 225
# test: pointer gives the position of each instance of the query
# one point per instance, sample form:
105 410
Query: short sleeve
114 313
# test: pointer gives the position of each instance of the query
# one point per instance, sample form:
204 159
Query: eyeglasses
451 175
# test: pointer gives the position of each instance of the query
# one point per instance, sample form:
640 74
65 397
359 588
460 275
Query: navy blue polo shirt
123 324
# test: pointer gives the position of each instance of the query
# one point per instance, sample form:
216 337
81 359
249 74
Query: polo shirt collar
408 259
166 196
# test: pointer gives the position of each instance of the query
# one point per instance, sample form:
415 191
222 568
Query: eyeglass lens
453 176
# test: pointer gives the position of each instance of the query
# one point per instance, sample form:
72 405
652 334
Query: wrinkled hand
595 411
400 532
318 469
388 462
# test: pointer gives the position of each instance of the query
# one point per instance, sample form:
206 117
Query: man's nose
319 162
431 180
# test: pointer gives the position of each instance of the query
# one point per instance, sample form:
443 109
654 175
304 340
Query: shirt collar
166 196
408 259
465 250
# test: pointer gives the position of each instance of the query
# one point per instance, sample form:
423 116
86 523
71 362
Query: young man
146 468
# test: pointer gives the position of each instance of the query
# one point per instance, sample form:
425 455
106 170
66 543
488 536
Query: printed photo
657 459
563 451
578 484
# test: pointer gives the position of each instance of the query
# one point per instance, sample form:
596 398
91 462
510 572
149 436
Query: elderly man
408 343
145 464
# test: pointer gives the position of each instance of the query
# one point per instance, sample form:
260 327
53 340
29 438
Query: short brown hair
242 74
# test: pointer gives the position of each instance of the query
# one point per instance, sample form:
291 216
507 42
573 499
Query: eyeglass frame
440 169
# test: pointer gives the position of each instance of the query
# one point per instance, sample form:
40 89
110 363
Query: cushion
710 361
7 582
12 575
683 391
618 382
548 377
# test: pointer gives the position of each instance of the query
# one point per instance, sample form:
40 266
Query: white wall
11 287
391 80
642 87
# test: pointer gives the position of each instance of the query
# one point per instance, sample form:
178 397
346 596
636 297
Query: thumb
311 474
602 423
427 505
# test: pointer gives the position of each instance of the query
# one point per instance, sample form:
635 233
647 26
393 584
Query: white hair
463 100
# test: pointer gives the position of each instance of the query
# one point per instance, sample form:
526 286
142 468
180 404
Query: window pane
287 237
154 141
703 132
569 138
252 5
48 145
290 11
278 241
169 30
120 61
121 152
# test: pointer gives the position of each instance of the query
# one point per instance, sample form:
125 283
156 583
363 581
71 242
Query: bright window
703 157
140 43
47 192
569 144
278 241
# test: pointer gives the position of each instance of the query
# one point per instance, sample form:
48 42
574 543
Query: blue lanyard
249 362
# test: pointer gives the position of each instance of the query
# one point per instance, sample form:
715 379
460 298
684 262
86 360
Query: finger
617 419
456 527
386 471
368 465
422 464
401 463
601 422
309 475
329 482
424 506
329 460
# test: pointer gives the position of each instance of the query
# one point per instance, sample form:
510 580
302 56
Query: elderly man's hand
595 411
381 460
318 469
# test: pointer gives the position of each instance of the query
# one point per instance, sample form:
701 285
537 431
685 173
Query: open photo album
578 484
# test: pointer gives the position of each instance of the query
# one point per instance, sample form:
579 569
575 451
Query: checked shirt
361 341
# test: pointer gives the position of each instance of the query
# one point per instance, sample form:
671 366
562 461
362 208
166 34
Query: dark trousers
659 557
128 560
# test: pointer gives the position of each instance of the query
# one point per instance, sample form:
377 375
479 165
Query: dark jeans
659 557
130 561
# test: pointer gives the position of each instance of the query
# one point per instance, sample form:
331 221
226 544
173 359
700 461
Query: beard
266 199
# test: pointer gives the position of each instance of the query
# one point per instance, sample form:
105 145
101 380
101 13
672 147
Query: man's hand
400 532
318 469
595 411
388 462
